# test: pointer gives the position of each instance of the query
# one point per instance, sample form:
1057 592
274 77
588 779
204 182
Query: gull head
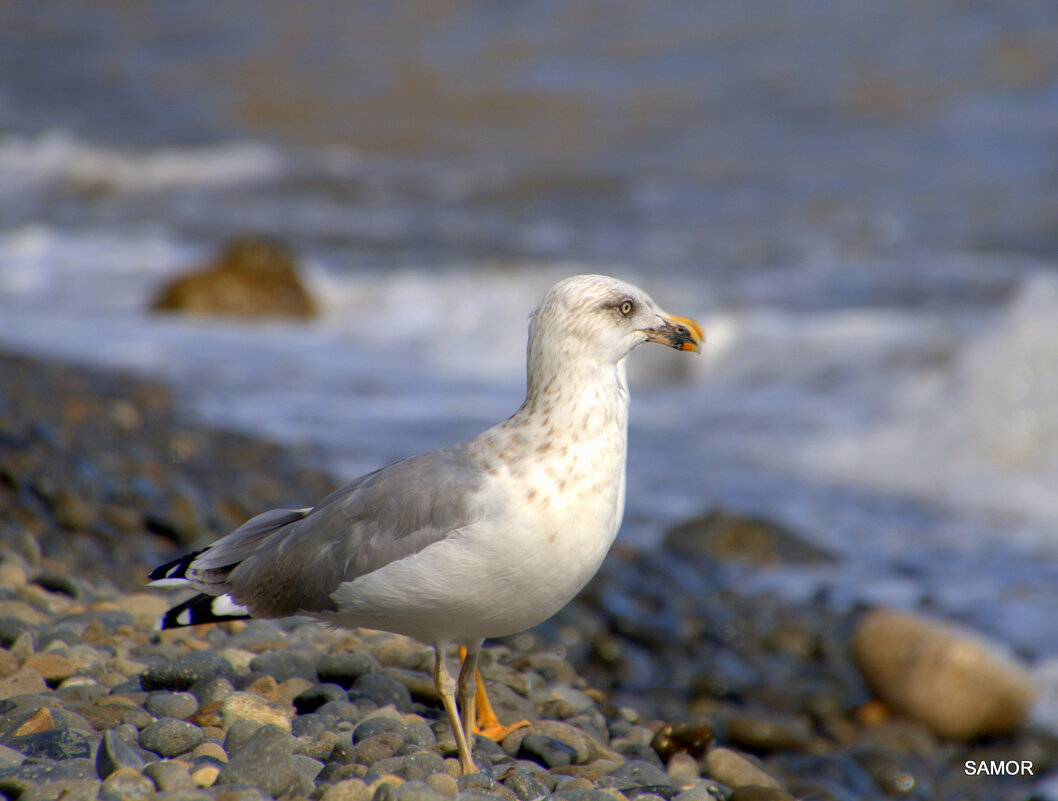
601 319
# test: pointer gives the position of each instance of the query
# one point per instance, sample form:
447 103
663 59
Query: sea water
860 211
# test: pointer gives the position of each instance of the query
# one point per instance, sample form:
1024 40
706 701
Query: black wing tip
176 569
201 609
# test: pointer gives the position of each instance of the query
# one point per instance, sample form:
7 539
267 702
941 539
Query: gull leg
446 686
478 715
467 686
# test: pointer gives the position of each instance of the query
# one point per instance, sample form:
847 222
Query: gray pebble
344 669
169 776
56 744
317 695
239 734
312 724
419 791
526 787
209 690
185 671
413 767
341 710
374 726
637 752
115 753
266 761
385 792
66 789
638 774
381 690
164 704
169 737
307 767
381 746
547 751
283 665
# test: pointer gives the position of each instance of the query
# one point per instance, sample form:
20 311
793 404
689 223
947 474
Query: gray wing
288 561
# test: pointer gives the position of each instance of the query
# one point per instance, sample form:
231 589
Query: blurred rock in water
251 277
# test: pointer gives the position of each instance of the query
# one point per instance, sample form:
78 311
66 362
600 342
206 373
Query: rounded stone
547 751
186 670
163 704
526 787
344 669
382 690
317 695
691 737
283 665
247 706
957 682
443 784
115 753
169 737
735 770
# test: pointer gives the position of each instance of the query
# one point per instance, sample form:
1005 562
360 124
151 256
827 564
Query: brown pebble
24 682
956 681
205 775
683 768
53 667
266 687
692 737
41 720
442 783
735 770
210 714
347 790
8 664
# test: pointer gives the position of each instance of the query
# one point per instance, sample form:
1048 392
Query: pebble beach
661 681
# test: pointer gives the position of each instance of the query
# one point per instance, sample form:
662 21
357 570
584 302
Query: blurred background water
858 200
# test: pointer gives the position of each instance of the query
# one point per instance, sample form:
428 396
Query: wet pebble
169 737
171 705
381 690
185 671
283 665
547 751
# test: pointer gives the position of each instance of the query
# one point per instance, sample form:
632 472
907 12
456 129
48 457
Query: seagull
482 539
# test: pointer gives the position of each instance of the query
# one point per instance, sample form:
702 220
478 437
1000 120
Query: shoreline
102 478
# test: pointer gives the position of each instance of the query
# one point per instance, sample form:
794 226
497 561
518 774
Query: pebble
127 784
308 701
115 753
171 705
548 751
266 761
381 690
247 706
735 770
344 669
691 737
169 737
283 665
186 671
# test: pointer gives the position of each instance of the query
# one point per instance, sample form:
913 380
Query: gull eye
626 307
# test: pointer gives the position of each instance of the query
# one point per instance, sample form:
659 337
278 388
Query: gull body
481 539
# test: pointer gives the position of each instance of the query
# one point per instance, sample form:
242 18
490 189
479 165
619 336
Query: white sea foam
59 158
978 430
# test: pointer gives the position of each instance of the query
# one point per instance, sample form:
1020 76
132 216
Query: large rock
252 277
953 680
729 537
